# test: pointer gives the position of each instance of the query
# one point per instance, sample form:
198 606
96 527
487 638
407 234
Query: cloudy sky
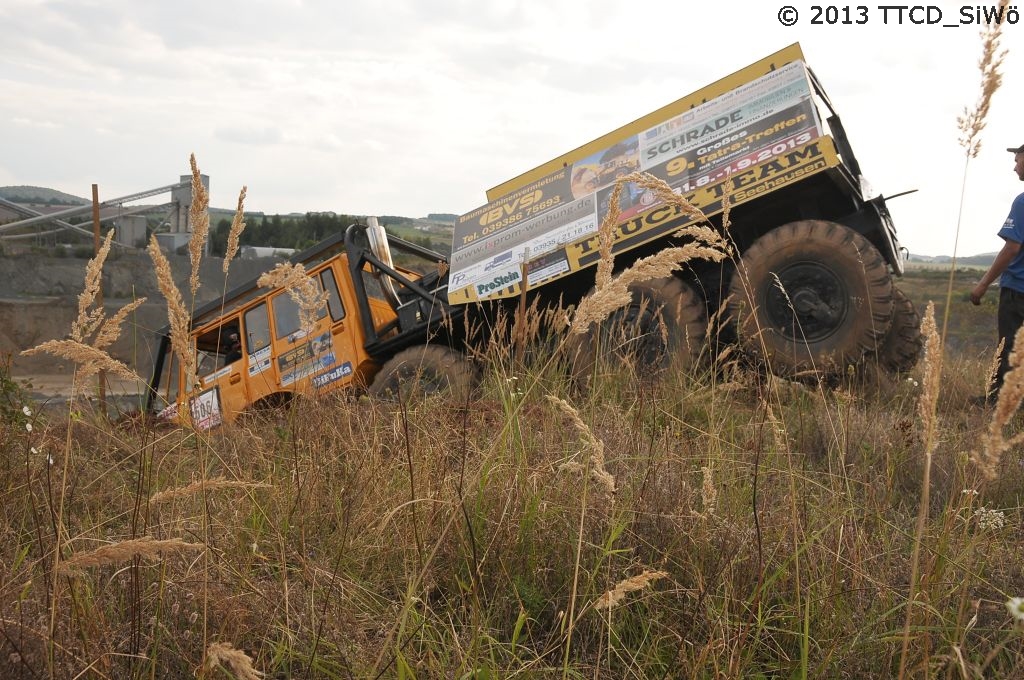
406 107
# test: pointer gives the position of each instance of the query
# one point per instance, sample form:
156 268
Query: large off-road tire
425 370
811 296
665 323
902 346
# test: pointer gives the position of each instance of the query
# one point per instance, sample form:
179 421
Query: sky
410 107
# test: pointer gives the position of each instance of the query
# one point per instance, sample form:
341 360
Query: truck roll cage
421 305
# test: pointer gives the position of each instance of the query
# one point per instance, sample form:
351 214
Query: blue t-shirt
1013 230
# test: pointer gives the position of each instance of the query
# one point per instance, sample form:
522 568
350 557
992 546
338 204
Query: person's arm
1009 251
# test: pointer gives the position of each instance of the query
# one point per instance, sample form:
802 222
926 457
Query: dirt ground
39 302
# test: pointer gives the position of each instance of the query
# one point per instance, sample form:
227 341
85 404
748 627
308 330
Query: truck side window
218 346
333 298
257 329
286 314
373 287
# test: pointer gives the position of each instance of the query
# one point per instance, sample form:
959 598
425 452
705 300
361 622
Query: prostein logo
497 283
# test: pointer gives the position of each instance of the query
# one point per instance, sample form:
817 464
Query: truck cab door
261 378
318 358
221 393
340 370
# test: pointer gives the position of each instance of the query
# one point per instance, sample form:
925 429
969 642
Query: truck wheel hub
810 305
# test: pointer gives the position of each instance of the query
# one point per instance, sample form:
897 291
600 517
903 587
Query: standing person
1009 268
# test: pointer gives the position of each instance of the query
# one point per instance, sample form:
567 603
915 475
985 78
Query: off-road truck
808 287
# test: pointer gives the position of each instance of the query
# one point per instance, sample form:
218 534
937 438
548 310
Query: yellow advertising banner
742 183
769 64
761 119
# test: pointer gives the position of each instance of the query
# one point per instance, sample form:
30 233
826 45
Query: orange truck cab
250 349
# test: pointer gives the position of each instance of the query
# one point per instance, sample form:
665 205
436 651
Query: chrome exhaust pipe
380 248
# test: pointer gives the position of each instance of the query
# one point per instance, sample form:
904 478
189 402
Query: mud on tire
665 322
425 370
901 348
811 296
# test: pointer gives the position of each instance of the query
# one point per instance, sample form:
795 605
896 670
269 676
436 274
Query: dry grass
606 237
927 405
614 597
225 655
90 319
310 570
303 289
91 331
995 442
434 540
177 314
931 377
612 293
237 227
199 221
202 487
117 553
972 122
89 360
596 460
110 329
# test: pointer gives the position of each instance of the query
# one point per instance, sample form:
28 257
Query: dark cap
1019 149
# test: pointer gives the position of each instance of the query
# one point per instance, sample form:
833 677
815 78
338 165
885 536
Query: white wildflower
990 519
28 427
1015 605
513 386
27 411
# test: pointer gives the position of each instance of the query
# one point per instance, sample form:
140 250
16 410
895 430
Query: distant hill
46 196
981 260
40 195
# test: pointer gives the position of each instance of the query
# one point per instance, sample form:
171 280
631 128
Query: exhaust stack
380 248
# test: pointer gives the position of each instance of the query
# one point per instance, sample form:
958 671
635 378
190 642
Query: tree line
303 231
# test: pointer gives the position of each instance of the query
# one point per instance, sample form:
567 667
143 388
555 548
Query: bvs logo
510 208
